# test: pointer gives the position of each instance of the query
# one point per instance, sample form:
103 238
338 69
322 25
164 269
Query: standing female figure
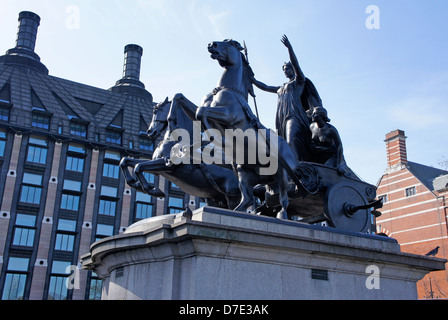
292 121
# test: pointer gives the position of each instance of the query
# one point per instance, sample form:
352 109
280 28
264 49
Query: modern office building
60 146
415 210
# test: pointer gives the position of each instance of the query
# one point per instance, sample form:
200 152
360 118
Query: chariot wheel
347 208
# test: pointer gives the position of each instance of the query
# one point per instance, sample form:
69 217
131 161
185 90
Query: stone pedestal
224 255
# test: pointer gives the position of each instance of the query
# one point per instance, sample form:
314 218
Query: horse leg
246 188
125 164
283 194
232 202
152 166
188 106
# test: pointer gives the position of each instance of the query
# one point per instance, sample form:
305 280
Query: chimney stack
130 82
131 69
23 54
26 36
396 148
132 61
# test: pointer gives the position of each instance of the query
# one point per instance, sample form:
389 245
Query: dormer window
4 113
78 128
114 136
40 119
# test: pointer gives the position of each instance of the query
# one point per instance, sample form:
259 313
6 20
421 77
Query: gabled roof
434 179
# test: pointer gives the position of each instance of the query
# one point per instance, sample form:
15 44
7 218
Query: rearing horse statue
217 185
227 108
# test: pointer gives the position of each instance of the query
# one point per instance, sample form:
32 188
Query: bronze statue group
312 174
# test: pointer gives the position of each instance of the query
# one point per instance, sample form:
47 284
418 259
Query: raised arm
292 56
264 87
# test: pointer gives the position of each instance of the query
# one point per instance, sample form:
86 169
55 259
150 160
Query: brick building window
384 198
411 192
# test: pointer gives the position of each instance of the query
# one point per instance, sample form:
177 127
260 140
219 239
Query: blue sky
371 81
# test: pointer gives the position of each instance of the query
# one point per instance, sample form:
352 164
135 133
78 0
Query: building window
72 185
78 129
146 144
107 207
112 155
149 177
4 113
384 198
65 238
24 230
411 191
95 287
74 164
2 142
15 279
76 148
41 121
37 150
59 273
109 191
111 170
201 203
70 202
31 188
175 204
113 136
103 231
143 207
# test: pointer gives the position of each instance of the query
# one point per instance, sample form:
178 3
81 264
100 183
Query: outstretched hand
285 41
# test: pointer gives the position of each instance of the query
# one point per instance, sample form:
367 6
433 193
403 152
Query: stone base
225 255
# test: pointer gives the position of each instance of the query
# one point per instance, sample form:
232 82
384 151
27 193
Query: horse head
159 119
226 52
229 55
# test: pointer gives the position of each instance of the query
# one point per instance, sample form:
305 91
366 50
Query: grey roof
434 179
65 99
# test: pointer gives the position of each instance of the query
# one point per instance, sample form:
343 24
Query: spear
253 95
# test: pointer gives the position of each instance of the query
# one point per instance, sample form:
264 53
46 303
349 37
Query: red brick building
415 210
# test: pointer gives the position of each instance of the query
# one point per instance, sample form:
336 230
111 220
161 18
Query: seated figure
326 144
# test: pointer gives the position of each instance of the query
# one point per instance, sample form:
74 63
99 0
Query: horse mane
248 75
